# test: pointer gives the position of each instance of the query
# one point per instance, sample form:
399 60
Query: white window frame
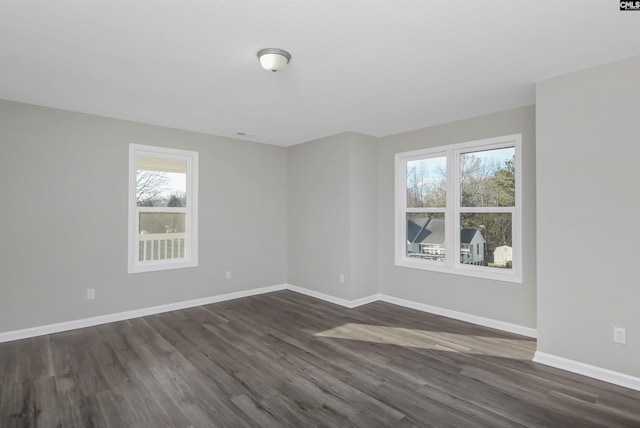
452 264
190 211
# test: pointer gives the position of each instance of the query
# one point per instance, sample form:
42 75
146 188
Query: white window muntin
453 210
190 258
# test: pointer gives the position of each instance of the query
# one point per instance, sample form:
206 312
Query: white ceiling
375 67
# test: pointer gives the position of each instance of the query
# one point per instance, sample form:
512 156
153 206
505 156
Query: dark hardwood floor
284 359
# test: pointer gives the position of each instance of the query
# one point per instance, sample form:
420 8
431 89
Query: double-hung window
458 209
163 207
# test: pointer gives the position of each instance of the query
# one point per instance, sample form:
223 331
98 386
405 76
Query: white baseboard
487 322
595 372
365 300
120 316
332 299
136 313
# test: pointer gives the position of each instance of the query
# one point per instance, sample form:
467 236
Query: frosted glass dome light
273 59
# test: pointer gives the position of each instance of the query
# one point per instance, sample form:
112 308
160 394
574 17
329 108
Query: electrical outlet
341 278
228 274
91 293
620 335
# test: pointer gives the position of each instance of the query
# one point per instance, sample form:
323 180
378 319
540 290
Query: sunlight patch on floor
520 349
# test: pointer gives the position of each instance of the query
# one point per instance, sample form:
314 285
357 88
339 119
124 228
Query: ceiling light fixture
273 59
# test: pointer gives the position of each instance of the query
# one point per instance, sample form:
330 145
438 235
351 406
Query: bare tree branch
150 186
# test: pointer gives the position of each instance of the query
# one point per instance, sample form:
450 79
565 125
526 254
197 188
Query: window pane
487 178
427 183
425 236
161 182
161 236
486 239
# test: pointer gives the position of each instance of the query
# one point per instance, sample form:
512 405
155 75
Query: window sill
152 267
471 271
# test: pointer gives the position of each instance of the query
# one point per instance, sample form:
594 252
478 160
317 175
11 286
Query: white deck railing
160 246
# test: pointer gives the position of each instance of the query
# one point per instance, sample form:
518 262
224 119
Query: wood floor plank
287 360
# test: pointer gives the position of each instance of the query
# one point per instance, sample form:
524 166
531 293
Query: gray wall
588 213
332 218
503 301
318 233
363 214
2 227
64 216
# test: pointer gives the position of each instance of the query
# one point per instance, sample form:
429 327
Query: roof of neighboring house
466 235
431 231
425 230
